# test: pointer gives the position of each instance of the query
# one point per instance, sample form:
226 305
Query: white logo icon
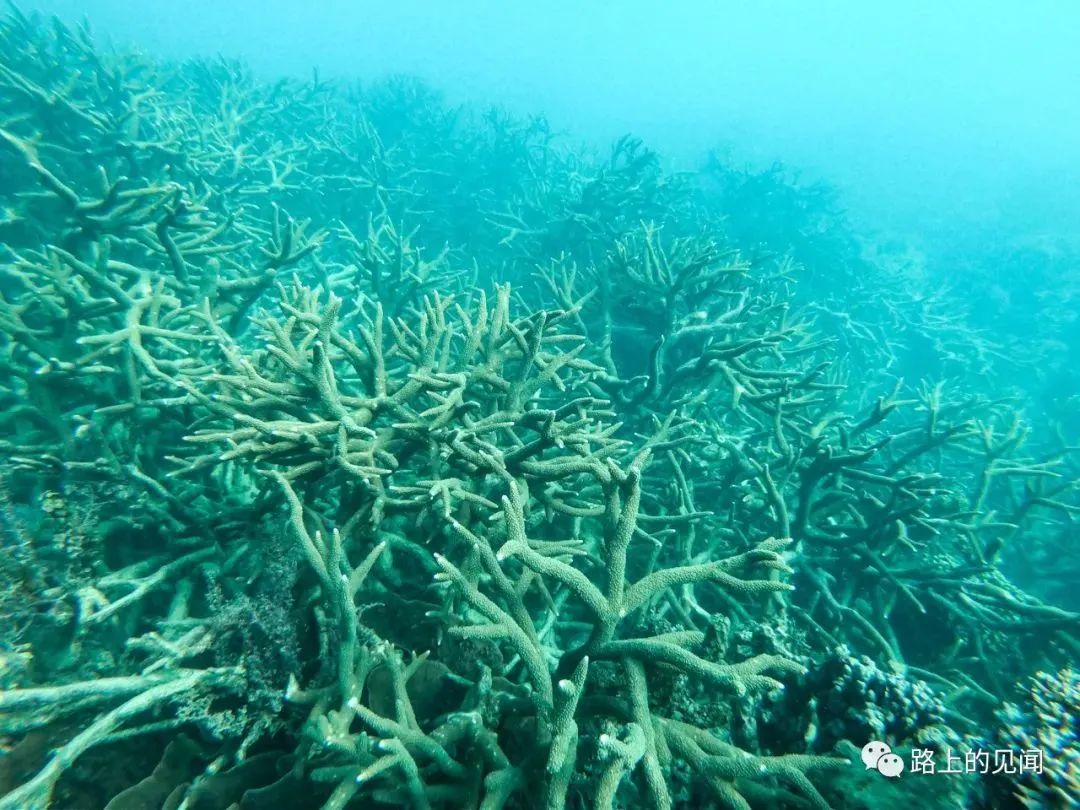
879 756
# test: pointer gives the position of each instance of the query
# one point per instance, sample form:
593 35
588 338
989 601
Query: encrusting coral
361 453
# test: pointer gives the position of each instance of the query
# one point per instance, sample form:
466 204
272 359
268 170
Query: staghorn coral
379 482
458 425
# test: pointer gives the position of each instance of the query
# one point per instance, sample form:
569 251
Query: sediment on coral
361 453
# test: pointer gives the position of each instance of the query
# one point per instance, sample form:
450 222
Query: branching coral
430 464
1045 722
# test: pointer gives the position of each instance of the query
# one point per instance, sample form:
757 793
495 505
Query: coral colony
361 452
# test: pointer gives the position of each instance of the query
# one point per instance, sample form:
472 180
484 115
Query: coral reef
847 698
1045 721
363 453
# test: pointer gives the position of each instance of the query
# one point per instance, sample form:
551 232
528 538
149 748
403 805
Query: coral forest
360 451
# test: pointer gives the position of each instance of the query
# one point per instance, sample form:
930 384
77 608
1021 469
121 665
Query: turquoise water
403 433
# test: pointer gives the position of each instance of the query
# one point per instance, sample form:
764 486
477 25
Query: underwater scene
362 448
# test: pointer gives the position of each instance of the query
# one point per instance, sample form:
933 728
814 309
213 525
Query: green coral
408 459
